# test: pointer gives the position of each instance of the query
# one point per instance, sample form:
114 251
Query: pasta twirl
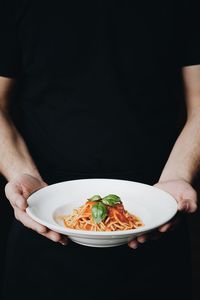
98 216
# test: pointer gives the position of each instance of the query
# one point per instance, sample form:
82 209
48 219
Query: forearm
15 158
184 160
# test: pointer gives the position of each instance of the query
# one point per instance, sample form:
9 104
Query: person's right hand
17 191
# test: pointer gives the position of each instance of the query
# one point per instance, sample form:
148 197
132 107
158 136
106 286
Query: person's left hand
186 197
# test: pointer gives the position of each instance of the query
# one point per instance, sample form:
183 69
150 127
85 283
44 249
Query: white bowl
154 206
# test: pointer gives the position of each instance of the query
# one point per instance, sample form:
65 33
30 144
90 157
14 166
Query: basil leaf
95 198
111 200
99 212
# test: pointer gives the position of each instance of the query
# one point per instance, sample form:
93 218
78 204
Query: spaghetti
116 218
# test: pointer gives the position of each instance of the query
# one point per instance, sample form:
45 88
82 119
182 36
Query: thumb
14 195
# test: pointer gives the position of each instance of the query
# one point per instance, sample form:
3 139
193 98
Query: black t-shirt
97 80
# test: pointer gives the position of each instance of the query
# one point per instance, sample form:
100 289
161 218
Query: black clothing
97 79
96 97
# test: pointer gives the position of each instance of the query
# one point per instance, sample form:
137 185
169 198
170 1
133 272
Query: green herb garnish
111 200
99 212
95 198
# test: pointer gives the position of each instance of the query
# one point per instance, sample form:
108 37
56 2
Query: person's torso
98 81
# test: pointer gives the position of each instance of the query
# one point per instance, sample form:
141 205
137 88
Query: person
97 89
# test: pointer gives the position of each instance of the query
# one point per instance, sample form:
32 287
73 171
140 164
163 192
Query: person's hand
17 191
186 198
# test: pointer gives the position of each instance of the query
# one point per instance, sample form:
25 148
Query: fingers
183 205
28 222
19 204
188 205
187 202
183 192
186 198
56 237
142 239
18 190
31 224
64 240
170 225
165 227
133 244
153 235
139 240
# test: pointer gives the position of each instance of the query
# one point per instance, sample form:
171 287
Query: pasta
108 217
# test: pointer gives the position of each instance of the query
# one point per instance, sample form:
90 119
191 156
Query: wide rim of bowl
69 231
